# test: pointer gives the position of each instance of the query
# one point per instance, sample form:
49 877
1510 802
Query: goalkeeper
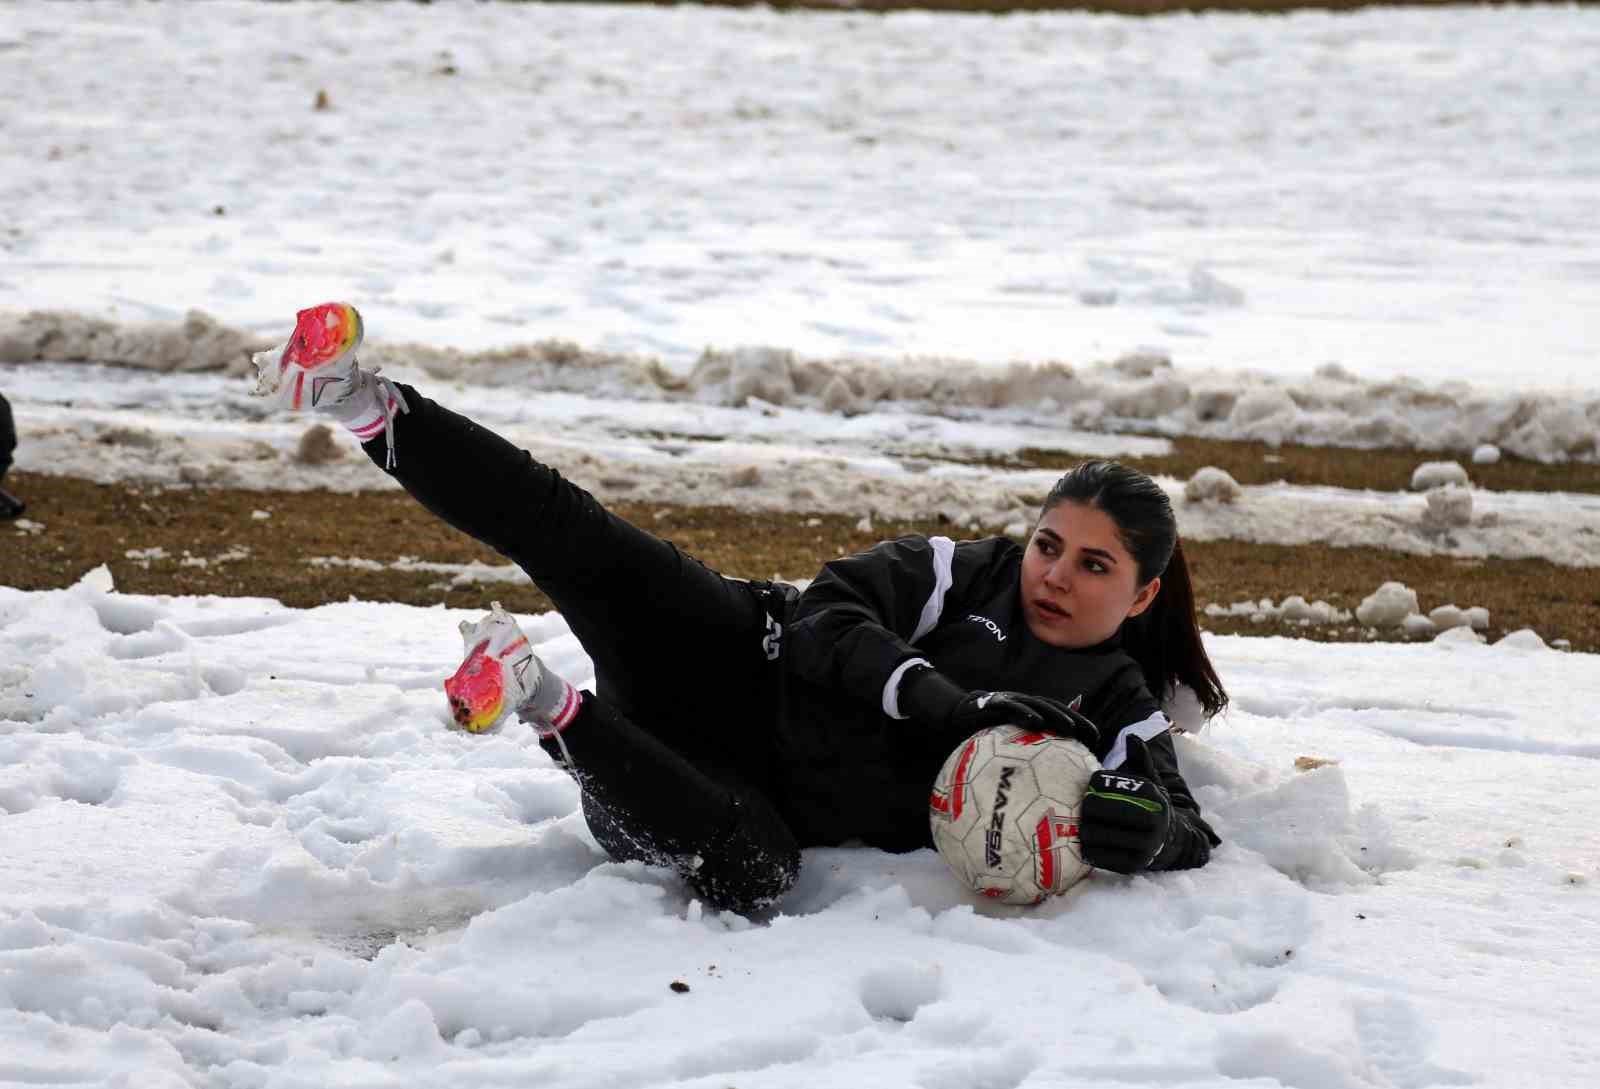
734 723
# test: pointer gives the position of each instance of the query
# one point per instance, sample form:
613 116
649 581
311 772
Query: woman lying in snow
734 723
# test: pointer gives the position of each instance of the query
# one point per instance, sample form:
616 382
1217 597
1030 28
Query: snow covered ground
1398 192
244 848
239 845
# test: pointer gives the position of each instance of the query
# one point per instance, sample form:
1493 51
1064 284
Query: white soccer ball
1005 811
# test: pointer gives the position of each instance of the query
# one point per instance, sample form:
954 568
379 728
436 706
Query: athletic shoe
317 366
10 506
501 674
316 369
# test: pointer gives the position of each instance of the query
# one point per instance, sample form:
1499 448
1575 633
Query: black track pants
8 436
674 753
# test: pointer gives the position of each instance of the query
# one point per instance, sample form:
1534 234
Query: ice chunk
1486 454
1388 606
1522 639
1448 616
1436 474
1417 625
96 580
1294 607
1211 484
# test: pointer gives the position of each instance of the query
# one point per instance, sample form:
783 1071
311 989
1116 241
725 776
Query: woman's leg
674 758
658 624
645 802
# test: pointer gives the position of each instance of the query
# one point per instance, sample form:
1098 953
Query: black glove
934 700
1128 823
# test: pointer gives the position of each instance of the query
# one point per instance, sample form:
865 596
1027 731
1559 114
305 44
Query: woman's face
1079 582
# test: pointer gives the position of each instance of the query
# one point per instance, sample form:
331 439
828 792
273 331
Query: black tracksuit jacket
849 767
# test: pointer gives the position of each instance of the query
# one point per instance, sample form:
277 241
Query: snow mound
1417 626
1446 617
1387 606
1294 609
1211 484
1394 605
1459 635
1522 639
1437 474
198 343
1142 391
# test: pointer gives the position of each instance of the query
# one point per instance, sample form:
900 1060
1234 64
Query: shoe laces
389 396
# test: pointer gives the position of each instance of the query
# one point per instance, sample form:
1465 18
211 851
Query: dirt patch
1381 469
250 543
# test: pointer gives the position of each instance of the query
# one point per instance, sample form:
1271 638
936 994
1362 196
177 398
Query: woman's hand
931 698
1128 823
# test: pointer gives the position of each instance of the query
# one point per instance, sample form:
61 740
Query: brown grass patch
1381 469
89 524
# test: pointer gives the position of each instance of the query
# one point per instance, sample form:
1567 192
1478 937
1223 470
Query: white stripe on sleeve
944 554
891 687
1147 729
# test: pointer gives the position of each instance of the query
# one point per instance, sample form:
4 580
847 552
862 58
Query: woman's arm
856 624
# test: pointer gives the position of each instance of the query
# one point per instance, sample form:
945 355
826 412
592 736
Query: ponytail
1165 640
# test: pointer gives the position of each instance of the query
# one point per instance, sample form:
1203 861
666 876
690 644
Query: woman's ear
1145 597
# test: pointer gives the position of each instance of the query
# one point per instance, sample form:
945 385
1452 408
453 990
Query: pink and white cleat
502 674
316 369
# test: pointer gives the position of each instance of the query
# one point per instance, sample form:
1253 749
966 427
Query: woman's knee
746 870
745 876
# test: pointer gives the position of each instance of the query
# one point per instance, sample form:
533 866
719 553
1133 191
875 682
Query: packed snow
1399 192
825 262
245 848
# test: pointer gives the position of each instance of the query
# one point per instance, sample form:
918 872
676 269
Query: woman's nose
1058 576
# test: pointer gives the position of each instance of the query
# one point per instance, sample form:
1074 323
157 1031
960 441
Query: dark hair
1164 639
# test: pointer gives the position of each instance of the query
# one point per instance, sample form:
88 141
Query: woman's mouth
1051 611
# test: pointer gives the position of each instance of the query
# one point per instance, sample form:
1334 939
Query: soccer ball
1005 811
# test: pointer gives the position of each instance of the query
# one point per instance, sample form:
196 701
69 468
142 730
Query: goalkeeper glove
934 700
1128 823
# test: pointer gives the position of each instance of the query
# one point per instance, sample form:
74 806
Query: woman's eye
1096 566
